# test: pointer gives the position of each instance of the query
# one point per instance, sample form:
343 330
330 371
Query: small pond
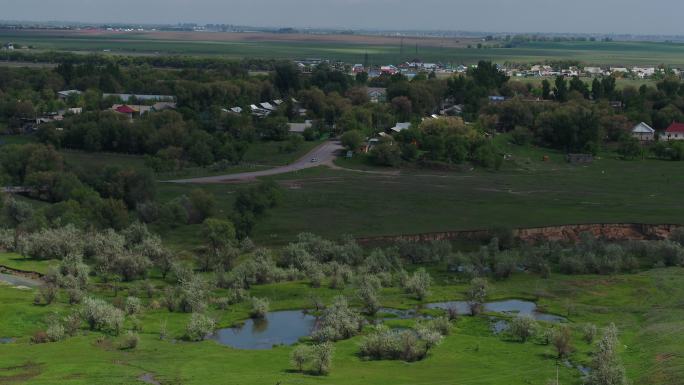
511 306
6 340
16 280
278 328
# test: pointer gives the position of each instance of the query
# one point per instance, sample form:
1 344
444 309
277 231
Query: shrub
259 307
338 322
321 357
47 293
133 305
199 327
523 327
72 323
300 356
75 296
54 243
606 364
130 341
562 341
40 337
102 316
477 294
368 294
419 284
387 344
589 332
193 294
55 331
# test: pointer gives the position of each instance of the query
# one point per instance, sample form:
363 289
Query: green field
603 53
527 192
645 306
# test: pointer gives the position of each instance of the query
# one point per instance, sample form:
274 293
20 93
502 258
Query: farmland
348 48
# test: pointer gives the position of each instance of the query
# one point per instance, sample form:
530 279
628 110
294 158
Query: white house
300 127
399 127
643 132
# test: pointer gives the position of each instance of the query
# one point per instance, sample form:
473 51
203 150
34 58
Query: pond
278 328
6 340
287 327
511 306
16 280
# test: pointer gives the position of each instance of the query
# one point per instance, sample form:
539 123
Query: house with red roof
674 132
131 110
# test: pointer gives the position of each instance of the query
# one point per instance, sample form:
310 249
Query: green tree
352 140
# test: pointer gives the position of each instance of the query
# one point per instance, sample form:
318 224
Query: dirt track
324 154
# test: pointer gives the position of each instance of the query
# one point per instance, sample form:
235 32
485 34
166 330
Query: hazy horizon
544 16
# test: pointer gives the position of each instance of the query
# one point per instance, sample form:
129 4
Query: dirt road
323 154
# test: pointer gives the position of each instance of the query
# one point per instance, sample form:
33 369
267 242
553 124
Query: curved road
324 154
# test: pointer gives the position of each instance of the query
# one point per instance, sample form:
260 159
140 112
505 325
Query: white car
314 160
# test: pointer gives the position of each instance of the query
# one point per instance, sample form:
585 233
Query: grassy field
645 306
527 192
352 48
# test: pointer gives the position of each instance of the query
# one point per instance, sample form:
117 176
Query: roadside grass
270 153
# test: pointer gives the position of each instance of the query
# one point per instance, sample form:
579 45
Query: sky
562 16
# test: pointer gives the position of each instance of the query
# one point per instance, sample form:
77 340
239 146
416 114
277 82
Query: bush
55 331
259 307
133 305
75 296
317 357
386 344
477 294
40 337
300 356
130 341
322 355
607 368
368 294
418 284
102 316
72 323
589 332
562 341
523 327
54 243
199 327
46 293
338 322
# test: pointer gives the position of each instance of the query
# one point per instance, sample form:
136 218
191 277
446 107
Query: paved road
324 153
